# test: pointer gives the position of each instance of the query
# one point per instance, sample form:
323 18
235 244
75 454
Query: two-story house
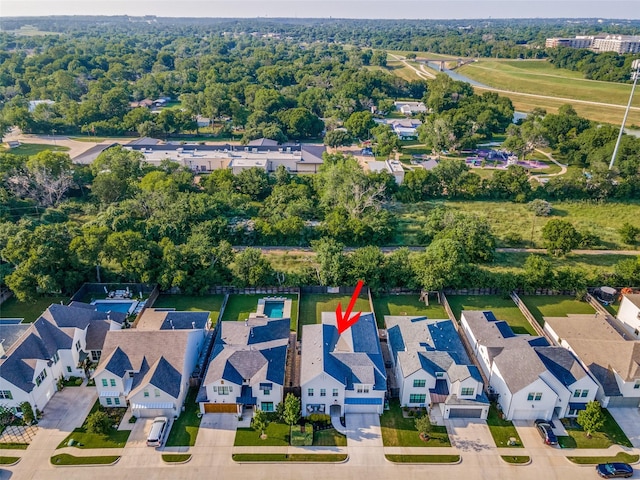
432 368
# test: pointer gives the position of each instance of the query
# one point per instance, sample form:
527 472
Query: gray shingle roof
66 316
562 363
161 319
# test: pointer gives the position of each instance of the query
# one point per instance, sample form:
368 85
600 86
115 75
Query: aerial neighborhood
319 247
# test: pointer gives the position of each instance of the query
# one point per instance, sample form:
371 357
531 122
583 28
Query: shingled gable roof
161 375
562 363
18 367
169 319
67 316
353 357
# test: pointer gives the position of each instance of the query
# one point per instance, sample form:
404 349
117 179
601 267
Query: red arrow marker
344 321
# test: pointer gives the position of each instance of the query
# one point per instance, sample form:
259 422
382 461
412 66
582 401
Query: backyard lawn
12 308
502 308
240 306
398 431
191 303
608 435
406 305
502 430
185 428
554 306
312 306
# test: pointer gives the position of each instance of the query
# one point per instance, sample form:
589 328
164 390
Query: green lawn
277 436
502 430
554 306
398 431
515 458
66 459
9 460
406 305
329 438
29 149
113 439
502 308
176 458
423 458
185 428
14 446
294 457
619 457
312 306
192 303
240 306
12 308
608 435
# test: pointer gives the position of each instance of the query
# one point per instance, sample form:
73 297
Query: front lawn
608 435
66 459
554 306
502 308
240 306
398 431
312 306
277 436
620 457
30 311
423 458
406 305
502 430
293 457
329 438
185 428
302 436
113 439
192 303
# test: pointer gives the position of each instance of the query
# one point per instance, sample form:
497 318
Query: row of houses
241 365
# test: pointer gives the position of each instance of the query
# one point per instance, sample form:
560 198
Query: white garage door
531 414
361 408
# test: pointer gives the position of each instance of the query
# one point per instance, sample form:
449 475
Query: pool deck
286 309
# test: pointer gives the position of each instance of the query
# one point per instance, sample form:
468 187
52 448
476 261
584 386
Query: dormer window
439 374
467 391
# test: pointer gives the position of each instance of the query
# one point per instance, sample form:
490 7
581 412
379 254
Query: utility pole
635 66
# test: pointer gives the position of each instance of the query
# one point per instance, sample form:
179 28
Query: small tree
628 233
260 422
27 413
291 409
424 427
591 418
541 208
98 423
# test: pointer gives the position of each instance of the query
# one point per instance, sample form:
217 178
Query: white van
158 429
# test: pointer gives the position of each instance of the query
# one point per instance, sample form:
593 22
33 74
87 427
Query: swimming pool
274 309
110 306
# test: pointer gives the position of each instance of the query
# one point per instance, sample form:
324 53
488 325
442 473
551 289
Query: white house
247 366
611 355
432 368
629 313
148 369
531 378
344 373
409 108
406 129
57 345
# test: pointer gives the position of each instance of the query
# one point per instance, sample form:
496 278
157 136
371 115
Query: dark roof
10 333
274 330
66 316
313 153
18 367
562 363
96 333
185 320
90 155
440 392
246 396
118 362
165 377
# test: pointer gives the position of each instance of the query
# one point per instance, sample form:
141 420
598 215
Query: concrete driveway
217 430
364 439
629 421
68 408
469 434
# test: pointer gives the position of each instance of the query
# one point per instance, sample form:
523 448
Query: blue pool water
113 306
273 309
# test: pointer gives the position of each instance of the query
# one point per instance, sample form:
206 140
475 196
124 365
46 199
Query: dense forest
121 219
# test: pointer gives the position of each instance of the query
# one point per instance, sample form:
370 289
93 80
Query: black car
614 470
545 431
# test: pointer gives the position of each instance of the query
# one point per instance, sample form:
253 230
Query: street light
635 66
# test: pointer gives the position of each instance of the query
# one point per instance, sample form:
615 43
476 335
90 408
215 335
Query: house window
145 394
78 346
419 383
538 396
439 374
95 355
116 401
69 369
266 406
417 398
266 391
113 382
576 394
637 384
223 390
6 394
323 392
572 413
584 393
467 391
55 357
41 377
310 392
365 388
131 374
108 401
104 382
335 392
156 392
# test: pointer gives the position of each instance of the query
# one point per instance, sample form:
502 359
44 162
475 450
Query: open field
507 218
240 306
312 306
12 308
503 309
29 149
406 305
554 306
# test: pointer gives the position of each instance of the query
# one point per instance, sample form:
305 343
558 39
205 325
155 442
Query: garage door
532 414
361 408
220 408
623 402
465 413
152 412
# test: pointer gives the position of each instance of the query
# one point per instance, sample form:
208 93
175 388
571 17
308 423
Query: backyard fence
527 314
99 289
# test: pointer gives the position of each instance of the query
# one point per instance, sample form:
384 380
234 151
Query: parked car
158 430
546 432
614 470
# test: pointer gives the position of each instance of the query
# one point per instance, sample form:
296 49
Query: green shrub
98 422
